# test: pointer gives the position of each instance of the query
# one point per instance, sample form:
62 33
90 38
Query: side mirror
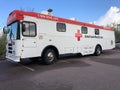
6 30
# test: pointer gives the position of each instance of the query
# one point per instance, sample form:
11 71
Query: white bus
33 35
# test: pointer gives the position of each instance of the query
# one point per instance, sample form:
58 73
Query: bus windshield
14 32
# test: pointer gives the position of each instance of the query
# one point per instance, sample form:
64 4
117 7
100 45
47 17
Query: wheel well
51 47
99 46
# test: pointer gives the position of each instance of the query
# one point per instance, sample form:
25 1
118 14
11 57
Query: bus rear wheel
49 56
98 50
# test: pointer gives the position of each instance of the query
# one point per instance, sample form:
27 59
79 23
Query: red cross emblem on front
78 35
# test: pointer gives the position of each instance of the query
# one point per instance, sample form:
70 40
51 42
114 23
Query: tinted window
84 30
61 27
29 29
97 32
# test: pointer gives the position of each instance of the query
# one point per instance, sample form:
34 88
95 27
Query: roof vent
74 19
48 12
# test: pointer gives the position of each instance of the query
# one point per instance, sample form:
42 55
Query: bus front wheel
49 56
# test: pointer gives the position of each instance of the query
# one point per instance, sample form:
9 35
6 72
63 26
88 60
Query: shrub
117 35
2 46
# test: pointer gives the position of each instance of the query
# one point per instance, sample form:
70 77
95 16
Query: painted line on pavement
31 69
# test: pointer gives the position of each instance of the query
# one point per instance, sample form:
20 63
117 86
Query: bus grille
10 48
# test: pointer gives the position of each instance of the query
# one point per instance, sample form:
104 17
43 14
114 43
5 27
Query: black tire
49 56
98 51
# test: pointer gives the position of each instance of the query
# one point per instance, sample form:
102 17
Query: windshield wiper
11 34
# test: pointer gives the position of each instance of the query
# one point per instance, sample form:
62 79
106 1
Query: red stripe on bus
19 15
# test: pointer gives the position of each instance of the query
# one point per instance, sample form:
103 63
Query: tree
117 35
2 46
116 27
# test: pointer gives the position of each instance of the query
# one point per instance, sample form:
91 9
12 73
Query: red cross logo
78 35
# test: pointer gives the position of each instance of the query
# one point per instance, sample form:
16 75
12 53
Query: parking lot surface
69 73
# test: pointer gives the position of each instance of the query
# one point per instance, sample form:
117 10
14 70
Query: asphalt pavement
70 72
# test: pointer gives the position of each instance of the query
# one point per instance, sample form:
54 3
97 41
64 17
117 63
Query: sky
101 12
